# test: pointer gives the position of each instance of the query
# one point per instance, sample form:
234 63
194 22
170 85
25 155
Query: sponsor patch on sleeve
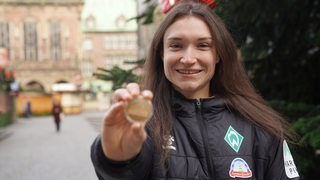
290 167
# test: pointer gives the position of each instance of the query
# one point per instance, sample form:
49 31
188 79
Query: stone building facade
55 42
109 39
42 39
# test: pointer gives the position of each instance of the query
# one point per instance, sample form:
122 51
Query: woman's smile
188 71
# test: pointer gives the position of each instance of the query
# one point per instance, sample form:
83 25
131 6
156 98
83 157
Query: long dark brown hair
230 80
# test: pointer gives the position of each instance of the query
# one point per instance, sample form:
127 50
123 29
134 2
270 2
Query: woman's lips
182 71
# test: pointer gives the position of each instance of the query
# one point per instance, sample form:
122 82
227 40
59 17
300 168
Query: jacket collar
182 105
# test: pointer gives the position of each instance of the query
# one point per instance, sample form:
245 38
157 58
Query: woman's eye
204 45
174 46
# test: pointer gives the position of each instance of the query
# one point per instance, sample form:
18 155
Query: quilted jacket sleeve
281 164
137 168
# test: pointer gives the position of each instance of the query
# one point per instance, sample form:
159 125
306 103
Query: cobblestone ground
33 150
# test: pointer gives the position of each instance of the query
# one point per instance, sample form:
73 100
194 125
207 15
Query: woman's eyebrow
177 38
174 39
205 38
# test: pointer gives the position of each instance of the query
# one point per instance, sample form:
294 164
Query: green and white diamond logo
233 138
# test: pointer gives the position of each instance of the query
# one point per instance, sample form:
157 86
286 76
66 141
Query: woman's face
189 56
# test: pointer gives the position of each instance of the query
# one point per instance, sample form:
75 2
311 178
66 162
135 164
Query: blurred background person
57 113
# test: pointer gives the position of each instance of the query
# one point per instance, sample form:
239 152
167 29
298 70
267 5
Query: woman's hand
122 140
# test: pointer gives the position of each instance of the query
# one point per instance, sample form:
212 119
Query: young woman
208 121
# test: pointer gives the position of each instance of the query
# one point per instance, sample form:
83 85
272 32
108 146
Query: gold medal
139 109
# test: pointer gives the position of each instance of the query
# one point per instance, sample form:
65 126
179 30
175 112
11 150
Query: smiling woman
208 121
189 57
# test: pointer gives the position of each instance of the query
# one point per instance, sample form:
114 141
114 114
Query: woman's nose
188 56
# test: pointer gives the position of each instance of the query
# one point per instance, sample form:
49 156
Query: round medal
139 109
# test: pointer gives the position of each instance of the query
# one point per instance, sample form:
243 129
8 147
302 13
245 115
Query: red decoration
168 4
7 75
211 3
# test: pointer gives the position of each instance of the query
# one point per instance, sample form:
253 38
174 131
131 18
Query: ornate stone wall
44 70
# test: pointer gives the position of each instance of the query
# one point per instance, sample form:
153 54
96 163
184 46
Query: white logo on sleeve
290 167
170 144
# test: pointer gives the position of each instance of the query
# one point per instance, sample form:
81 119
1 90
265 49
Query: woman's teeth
188 71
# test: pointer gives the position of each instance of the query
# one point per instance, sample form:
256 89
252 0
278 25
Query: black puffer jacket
209 142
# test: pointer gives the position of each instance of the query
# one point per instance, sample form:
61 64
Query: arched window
91 22
34 86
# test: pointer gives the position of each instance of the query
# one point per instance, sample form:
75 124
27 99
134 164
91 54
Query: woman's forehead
188 25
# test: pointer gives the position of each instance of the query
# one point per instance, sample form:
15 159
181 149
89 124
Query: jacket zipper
204 134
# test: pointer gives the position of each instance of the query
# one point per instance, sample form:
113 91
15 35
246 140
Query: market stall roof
64 87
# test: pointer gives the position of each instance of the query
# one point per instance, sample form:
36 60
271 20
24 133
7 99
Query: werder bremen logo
233 138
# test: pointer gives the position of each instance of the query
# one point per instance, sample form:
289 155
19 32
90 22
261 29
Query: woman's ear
217 59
